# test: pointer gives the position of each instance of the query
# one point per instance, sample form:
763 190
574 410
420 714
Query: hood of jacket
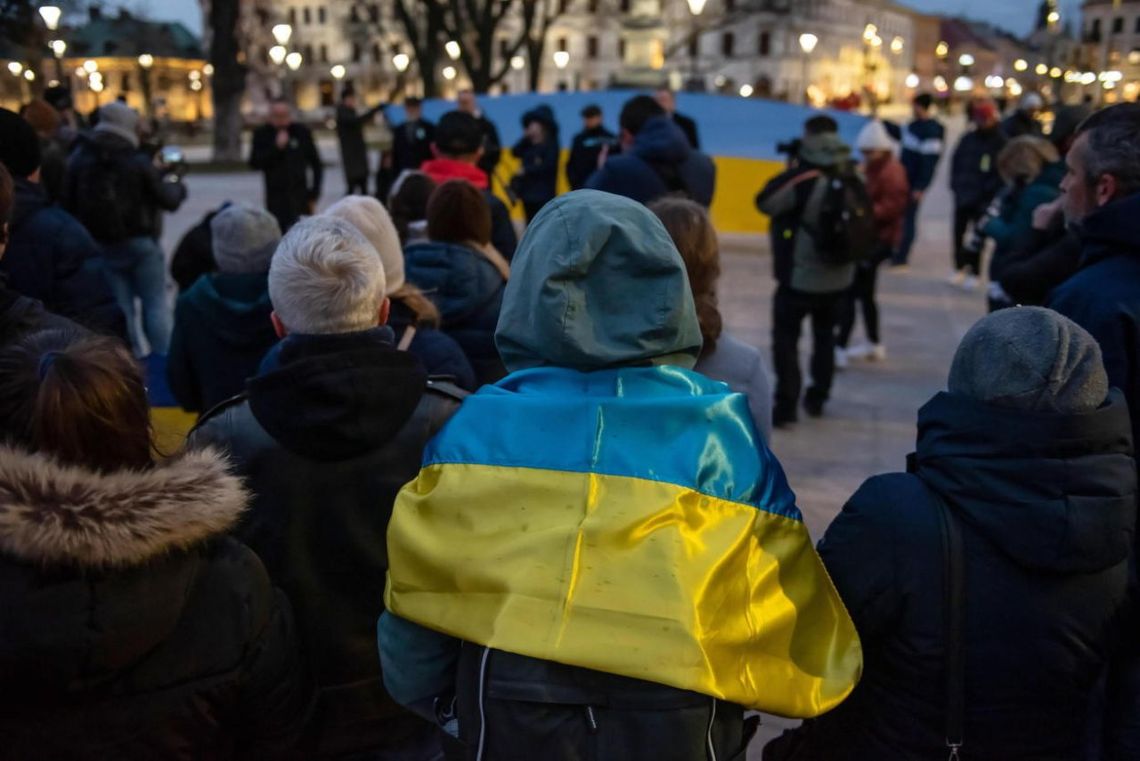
461 281
28 199
334 397
442 169
1111 230
826 150
236 307
597 282
1053 492
105 142
661 141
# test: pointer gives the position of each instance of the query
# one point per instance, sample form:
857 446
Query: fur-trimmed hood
54 514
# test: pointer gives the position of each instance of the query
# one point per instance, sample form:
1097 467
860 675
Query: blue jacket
438 352
922 144
53 259
1104 298
661 157
221 333
468 291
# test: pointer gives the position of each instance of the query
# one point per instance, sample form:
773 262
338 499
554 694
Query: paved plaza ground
869 426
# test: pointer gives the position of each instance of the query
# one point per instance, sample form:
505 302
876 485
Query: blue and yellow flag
628 521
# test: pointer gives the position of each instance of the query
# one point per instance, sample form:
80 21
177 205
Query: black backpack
845 232
105 196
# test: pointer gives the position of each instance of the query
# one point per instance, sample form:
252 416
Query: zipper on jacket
591 720
709 736
482 709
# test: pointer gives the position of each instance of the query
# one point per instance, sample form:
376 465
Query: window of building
1137 29
376 54
621 48
356 52
728 44
374 13
592 47
307 13
1118 25
322 14
764 44
504 47
563 6
308 53
625 6
126 86
694 46
354 15
293 16
563 44
593 6
324 53
1096 28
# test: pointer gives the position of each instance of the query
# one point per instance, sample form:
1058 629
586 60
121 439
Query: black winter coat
350 133
293 175
20 316
411 145
584 153
222 331
1048 260
325 437
974 176
1047 509
142 192
52 258
194 255
439 353
133 629
689 127
492 146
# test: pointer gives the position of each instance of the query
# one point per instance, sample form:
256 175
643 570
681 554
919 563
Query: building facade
1111 47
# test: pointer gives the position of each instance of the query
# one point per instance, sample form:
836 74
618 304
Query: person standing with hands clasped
286 153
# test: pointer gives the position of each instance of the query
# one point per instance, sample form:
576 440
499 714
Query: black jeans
789 308
863 292
965 217
356 186
910 232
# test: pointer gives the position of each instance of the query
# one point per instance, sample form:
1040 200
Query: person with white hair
1024 121
334 423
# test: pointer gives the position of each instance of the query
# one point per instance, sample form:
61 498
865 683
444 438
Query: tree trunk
229 80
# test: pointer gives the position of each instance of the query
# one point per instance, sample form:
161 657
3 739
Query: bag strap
407 338
954 584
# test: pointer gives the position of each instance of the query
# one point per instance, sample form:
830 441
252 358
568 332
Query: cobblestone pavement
869 425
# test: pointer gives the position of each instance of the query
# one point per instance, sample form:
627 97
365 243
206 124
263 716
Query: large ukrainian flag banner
627 521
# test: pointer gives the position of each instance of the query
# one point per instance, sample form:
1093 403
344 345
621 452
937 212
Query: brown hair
409 203
77 398
43 118
695 237
457 212
6 200
425 312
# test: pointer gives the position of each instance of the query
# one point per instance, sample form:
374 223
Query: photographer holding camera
814 266
119 194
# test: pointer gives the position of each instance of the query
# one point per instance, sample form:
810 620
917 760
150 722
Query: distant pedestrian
536 182
655 160
668 101
285 152
811 281
222 328
119 195
1028 459
408 205
974 180
459 150
350 133
586 150
492 145
890 195
1024 121
723 357
923 142
411 140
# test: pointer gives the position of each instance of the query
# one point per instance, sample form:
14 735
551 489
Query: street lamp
277 54
16 68
449 73
966 60
561 59
1020 64
51 15
401 61
897 45
90 66
294 60
963 84
912 80
696 7
282 33
808 42
746 91
942 49
338 72
1041 69
518 63
453 50
29 75
146 61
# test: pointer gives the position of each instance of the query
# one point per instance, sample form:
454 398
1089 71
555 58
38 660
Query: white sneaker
862 351
878 353
970 284
840 359
957 278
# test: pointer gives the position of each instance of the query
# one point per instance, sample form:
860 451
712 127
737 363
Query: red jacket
890 194
443 169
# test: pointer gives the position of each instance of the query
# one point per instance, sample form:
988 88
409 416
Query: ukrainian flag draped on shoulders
626 519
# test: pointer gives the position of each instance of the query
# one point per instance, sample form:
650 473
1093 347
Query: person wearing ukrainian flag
601 559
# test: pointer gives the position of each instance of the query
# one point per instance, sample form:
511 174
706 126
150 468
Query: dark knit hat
19 146
1033 359
458 134
591 111
244 239
59 97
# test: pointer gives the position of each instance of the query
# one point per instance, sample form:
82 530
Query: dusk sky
1015 15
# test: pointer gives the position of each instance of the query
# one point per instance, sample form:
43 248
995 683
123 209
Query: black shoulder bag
954 584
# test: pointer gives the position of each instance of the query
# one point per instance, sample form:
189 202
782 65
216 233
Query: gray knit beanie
1033 359
119 119
244 239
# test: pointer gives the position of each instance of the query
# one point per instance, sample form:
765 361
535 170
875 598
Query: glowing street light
401 61
277 54
912 81
208 70
963 84
16 68
96 85
453 50
870 32
1041 70
146 60
90 66
1053 18
1020 64
282 33
897 45
696 6
1055 72
518 63
746 91
808 42
338 72
51 15
449 73
294 60
195 76
561 59
940 84
942 50
965 60
58 48
29 75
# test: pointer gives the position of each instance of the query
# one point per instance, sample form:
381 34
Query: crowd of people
456 495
